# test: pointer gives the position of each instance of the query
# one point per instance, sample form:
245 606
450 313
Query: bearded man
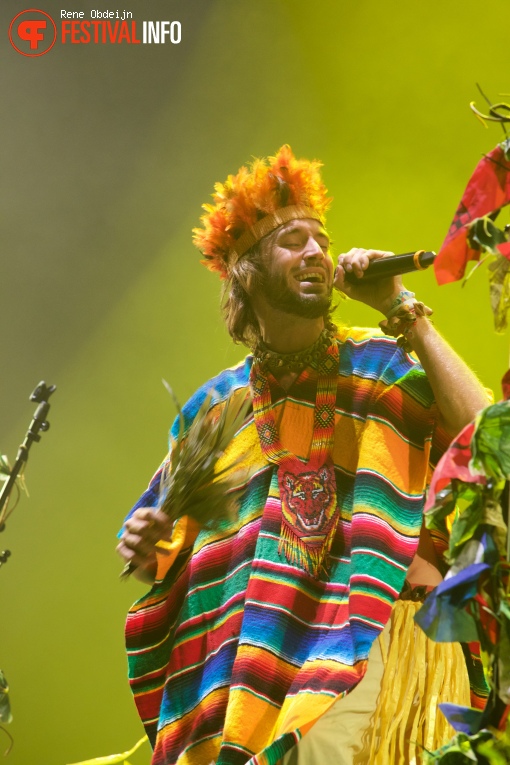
288 633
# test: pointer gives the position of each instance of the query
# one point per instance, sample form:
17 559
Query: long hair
243 279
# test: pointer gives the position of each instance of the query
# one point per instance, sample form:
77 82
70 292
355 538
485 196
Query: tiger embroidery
308 504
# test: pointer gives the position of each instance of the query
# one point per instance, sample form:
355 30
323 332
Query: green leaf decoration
485 235
504 667
469 505
493 516
490 445
505 145
492 756
504 652
504 609
484 747
495 749
471 508
499 287
445 503
5 706
114 759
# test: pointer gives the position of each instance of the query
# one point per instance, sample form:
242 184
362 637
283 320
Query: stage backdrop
108 151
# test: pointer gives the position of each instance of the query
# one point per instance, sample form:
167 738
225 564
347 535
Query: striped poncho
234 653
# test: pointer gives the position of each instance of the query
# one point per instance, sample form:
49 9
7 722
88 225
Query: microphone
393 266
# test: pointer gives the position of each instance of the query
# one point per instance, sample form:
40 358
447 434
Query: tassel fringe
310 557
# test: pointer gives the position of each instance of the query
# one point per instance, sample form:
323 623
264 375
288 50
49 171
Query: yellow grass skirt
392 714
418 675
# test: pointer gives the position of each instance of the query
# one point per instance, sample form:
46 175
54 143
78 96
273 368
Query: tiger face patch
309 500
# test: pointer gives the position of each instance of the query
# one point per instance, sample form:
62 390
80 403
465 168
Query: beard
279 296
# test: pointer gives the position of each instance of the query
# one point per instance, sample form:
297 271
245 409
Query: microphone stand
39 423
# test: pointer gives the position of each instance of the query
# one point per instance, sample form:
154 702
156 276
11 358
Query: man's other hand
139 540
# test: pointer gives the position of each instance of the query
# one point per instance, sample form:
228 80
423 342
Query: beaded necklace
294 362
307 488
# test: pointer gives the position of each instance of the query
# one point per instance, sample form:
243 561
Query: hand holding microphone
393 265
373 276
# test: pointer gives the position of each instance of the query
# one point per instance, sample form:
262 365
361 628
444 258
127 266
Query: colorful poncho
235 653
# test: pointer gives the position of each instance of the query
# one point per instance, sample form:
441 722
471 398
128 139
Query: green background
108 151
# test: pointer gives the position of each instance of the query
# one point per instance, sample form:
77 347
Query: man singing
287 634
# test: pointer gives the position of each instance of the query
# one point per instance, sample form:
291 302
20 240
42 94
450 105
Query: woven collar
271 361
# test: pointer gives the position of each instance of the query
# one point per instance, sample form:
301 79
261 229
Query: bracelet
404 297
401 318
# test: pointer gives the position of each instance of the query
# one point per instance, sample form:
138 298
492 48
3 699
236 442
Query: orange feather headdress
255 202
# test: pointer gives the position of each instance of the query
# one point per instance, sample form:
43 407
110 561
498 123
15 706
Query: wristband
402 316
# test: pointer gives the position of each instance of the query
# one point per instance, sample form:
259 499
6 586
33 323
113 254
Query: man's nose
314 250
